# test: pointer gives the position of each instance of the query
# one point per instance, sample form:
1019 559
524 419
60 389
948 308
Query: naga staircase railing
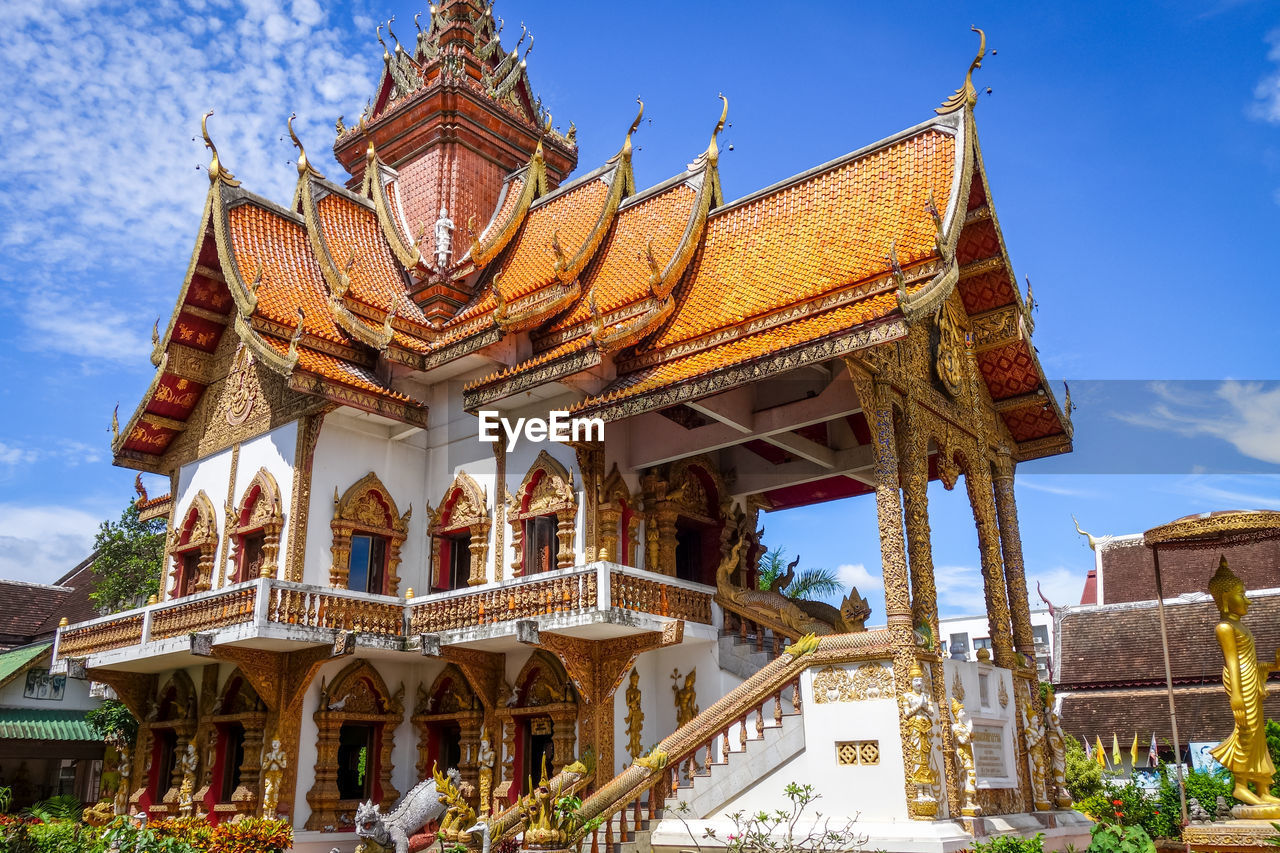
752 628
514 819
636 791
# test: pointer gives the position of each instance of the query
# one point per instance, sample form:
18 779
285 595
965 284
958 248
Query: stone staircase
710 776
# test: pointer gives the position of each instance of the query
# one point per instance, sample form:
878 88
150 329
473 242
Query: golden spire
966 95
626 146
304 165
217 172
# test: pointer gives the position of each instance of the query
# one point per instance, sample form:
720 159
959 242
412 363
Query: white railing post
146 625
603 578
262 601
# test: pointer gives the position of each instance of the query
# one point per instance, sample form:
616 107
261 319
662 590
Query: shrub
1207 787
1083 775
64 836
195 832
1112 838
252 835
1011 844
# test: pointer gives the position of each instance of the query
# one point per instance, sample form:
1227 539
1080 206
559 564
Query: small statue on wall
962 731
485 759
635 716
685 697
273 767
188 764
920 714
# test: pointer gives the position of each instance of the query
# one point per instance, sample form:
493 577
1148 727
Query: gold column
977 478
875 397
1011 546
913 449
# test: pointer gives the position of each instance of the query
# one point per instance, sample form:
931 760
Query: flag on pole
1153 754
1133 753
1088 748
1115 751
1099 752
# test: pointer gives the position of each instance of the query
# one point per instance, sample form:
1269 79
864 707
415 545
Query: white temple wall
347 450
273 451
879 788
212 475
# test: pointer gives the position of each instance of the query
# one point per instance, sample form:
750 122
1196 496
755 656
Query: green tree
806 583
112 722
130 553
1083 775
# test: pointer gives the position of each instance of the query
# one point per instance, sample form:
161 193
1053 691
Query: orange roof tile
766 342
620 274
351 229
339 370
392 191
291 277
528 266
815 236
510 198
576 345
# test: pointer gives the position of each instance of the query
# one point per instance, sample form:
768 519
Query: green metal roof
39 724
15 659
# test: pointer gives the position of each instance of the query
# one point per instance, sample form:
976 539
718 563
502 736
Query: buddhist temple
361 590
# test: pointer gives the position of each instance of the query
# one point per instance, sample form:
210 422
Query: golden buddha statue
1244 753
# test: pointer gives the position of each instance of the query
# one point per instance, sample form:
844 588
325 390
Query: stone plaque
988 752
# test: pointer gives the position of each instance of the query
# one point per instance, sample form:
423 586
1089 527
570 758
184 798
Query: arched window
459 536
448 717
368 531
686 520
233 731
542 515
163 736
538 725
256 531
619 522
195 550
356 723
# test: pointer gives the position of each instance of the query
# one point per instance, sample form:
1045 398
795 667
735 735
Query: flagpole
1168 680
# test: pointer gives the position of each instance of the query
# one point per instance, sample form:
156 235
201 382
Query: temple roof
664 295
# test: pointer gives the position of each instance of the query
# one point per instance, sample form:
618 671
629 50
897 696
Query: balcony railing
270 604
598 587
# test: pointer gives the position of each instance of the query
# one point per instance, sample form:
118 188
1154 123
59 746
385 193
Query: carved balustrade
230 607
582 590
314 607
123 630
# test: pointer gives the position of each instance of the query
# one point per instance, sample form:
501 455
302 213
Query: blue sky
1133 152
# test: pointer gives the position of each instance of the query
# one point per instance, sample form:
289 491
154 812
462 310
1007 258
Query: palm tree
807 583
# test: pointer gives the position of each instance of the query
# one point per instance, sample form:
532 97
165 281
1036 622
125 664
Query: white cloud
1245 414
41 543
960 590
1046 484
1059 584
856 575
11 456
98 173
1266 103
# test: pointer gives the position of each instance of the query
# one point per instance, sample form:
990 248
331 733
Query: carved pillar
564 533
469 737
875 397
562 740
591 464
479 546
977 478
913 447
666 518
609 515
341 550
499 507
1011 548
247 792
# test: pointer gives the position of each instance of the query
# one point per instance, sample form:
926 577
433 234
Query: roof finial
626 146
155 332
713 150
304 165
140 488
216 170
115 423
292 353
966 95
